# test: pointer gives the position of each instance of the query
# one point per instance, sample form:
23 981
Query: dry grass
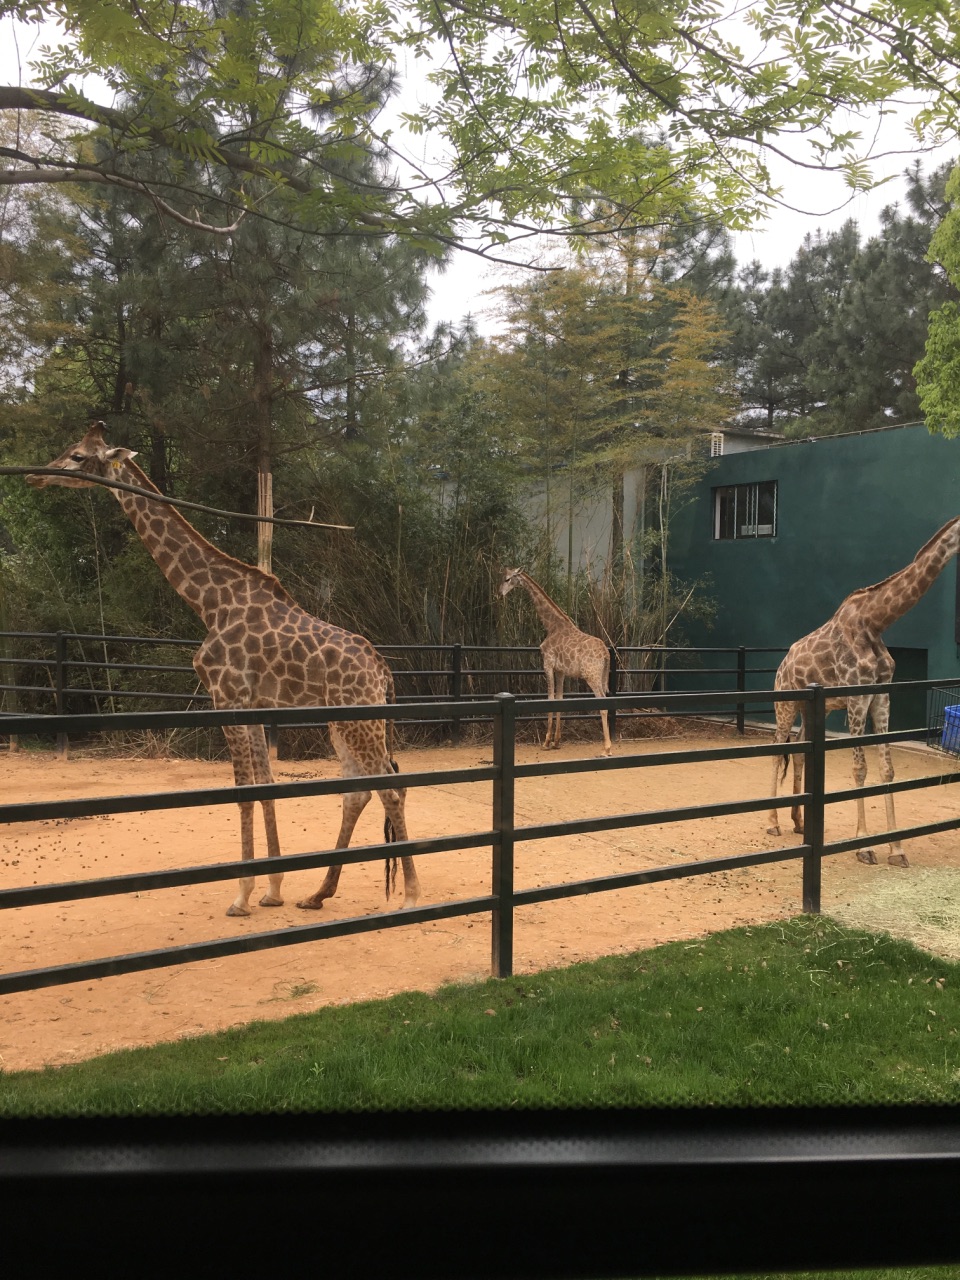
923 908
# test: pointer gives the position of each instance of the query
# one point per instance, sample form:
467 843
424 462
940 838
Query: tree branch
171 502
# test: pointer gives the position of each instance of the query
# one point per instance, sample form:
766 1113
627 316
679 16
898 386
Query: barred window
745 510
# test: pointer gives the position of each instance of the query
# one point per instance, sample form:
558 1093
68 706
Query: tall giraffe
848 650
261 650
567 651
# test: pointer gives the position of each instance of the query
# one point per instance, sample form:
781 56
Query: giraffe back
264 652
572 653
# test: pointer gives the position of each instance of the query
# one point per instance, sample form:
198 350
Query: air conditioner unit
716 444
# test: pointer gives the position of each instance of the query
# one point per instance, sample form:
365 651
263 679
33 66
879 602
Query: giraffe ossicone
567 651
261 650
848 650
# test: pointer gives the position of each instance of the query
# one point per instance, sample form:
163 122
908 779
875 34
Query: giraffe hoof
269 901
867 856
311 904
898 860
234 910
774 831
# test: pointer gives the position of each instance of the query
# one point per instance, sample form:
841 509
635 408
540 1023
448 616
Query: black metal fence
501 838
65 673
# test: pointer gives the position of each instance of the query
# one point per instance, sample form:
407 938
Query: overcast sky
810 201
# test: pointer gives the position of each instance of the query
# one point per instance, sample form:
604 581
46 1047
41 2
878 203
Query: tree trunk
352 423
263 409
616 523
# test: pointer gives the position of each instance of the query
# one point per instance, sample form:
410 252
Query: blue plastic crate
950 738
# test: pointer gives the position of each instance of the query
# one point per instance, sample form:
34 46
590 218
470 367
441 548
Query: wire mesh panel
943 720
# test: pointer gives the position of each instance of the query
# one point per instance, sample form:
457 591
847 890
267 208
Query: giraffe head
511 579
91 456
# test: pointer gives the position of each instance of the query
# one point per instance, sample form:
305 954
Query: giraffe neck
879 606
205 577
549 613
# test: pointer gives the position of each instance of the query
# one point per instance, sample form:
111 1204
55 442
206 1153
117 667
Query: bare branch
174 502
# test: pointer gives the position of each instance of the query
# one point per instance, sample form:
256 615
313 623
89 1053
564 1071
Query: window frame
744 520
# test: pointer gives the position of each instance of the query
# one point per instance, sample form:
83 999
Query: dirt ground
68 1023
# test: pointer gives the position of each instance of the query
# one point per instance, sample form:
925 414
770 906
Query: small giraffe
261 650
567 651
848 650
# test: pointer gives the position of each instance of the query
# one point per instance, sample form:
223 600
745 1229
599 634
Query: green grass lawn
799 1012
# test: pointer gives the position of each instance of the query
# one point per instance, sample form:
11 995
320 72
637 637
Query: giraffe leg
547 742
245 753
362 751
799 773
394 807
786 713
353 805
558 694
598 691
263 773
857 724
239 906
880 716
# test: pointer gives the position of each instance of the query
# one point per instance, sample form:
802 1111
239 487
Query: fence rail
56 673
500 839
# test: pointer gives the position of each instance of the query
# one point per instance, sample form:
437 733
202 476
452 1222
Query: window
745 510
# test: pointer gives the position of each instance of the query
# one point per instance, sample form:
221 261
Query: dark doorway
908 707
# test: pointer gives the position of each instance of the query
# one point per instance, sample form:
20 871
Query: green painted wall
850 510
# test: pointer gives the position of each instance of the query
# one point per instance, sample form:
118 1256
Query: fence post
613 689
741 686
456 689
59 685
504 760
814 773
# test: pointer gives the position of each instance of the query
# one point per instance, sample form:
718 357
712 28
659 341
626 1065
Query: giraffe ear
119 454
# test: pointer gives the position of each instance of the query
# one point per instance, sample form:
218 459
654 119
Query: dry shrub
653 723
160 744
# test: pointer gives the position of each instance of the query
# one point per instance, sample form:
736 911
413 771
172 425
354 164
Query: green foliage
802 1012
938 373
543 104
607 378
829 343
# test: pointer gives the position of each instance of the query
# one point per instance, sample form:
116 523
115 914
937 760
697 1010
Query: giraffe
261 650
567 651
848 650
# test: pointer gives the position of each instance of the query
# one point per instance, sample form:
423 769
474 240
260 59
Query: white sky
811 199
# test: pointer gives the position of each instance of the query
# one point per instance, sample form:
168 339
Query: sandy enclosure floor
80 1020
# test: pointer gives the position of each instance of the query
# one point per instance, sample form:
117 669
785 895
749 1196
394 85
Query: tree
762 360
265 350
557 365
828 343
539 105
938 372
606 371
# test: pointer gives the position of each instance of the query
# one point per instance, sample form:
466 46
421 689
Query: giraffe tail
785 759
